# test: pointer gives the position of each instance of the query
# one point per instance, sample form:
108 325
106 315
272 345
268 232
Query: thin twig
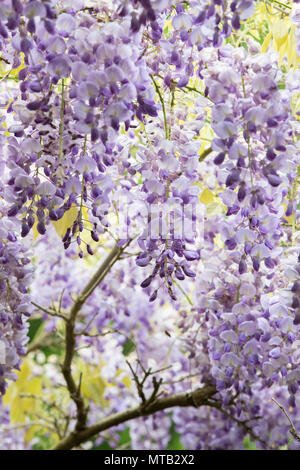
162 104
50 312
293 429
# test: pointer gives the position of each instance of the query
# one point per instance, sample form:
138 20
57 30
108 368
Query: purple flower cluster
167 242
15 307
243 334
78 87
195 26
210 429
255 151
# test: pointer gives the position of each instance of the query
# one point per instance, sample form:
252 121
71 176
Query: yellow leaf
280 31
36 234
282 52
254 33
127 382
206 197
93 388
66 221
266 42
216 207
293 58
93 384
295 104
25 384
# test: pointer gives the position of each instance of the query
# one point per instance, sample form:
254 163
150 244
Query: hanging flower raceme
15 306
255 151
170 234
187 29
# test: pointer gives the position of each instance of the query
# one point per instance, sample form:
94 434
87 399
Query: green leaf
248 444
175 442
125 439
44 441
104 446
128 347
34 325
52 350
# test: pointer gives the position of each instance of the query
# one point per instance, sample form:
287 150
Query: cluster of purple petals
79 85
256 154
210 429
243 336
218 16
195 26
15 306
168 242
